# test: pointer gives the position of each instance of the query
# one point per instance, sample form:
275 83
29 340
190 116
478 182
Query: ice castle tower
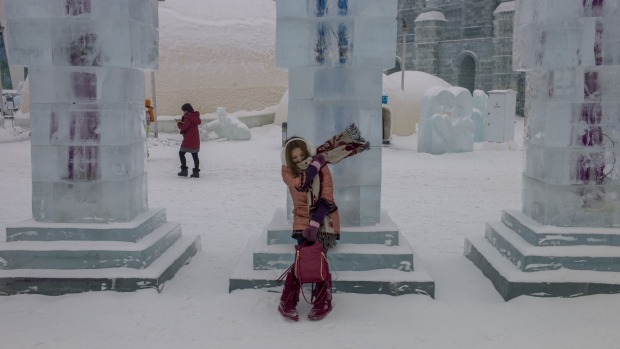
565 241
335 52
92 228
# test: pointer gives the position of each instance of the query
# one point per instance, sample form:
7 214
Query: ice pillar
335 52
86 60
92 229
564 241
571 53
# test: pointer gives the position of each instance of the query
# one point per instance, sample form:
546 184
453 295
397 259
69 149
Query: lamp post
5 74
404 59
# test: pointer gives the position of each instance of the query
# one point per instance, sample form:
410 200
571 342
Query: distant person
188 126
149 115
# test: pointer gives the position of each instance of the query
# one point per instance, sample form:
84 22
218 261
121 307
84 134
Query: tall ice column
335 52
89 172
571 185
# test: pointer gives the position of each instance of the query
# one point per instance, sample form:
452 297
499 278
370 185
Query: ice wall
335 51
86 59
445 124
571 52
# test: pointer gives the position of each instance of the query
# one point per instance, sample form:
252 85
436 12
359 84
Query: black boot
195 173
183 172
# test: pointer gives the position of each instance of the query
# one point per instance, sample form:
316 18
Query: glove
320 212
311 231
317 162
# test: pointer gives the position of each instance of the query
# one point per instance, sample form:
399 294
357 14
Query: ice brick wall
571 52
335 52
86 59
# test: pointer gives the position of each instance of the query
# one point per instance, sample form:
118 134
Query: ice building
92 228
565 241
335 52
468 43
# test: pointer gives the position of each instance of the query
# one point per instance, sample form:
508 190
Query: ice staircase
523 257
372 260
59 258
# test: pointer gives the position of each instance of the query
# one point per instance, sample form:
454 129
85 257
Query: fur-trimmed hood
311 148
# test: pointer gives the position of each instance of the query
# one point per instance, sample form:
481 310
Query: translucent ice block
143 11
572 165
83 42
86 85
374 42
317 121
29 42
574 206
293 45
51 124
288 8
327 84
89 202
22 9
335 42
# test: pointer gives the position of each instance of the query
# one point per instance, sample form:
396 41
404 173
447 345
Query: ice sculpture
227 126
479 115
564 241
89 173
335 51
85 59
445 124
573 97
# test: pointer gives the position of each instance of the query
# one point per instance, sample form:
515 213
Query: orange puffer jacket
301 220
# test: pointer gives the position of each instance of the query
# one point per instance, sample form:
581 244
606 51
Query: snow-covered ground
435 200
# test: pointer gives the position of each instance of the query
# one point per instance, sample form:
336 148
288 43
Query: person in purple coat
188 126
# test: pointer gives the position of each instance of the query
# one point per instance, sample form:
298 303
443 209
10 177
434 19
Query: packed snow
435 200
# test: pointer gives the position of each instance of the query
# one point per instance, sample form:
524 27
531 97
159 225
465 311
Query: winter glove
320 212
311 231
317 162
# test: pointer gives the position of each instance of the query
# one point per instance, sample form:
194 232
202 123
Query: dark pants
194 156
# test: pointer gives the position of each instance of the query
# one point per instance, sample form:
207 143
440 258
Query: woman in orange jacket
311 188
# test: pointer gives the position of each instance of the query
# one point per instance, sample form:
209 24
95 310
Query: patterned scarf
347 143
341 146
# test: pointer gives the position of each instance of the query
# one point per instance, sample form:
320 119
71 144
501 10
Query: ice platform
368 260
56 258
522 257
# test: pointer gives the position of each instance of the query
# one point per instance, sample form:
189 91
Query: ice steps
61 281
362 267
518 262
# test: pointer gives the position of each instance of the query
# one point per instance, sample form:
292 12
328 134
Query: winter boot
322 299
183 172
289 298
195 173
